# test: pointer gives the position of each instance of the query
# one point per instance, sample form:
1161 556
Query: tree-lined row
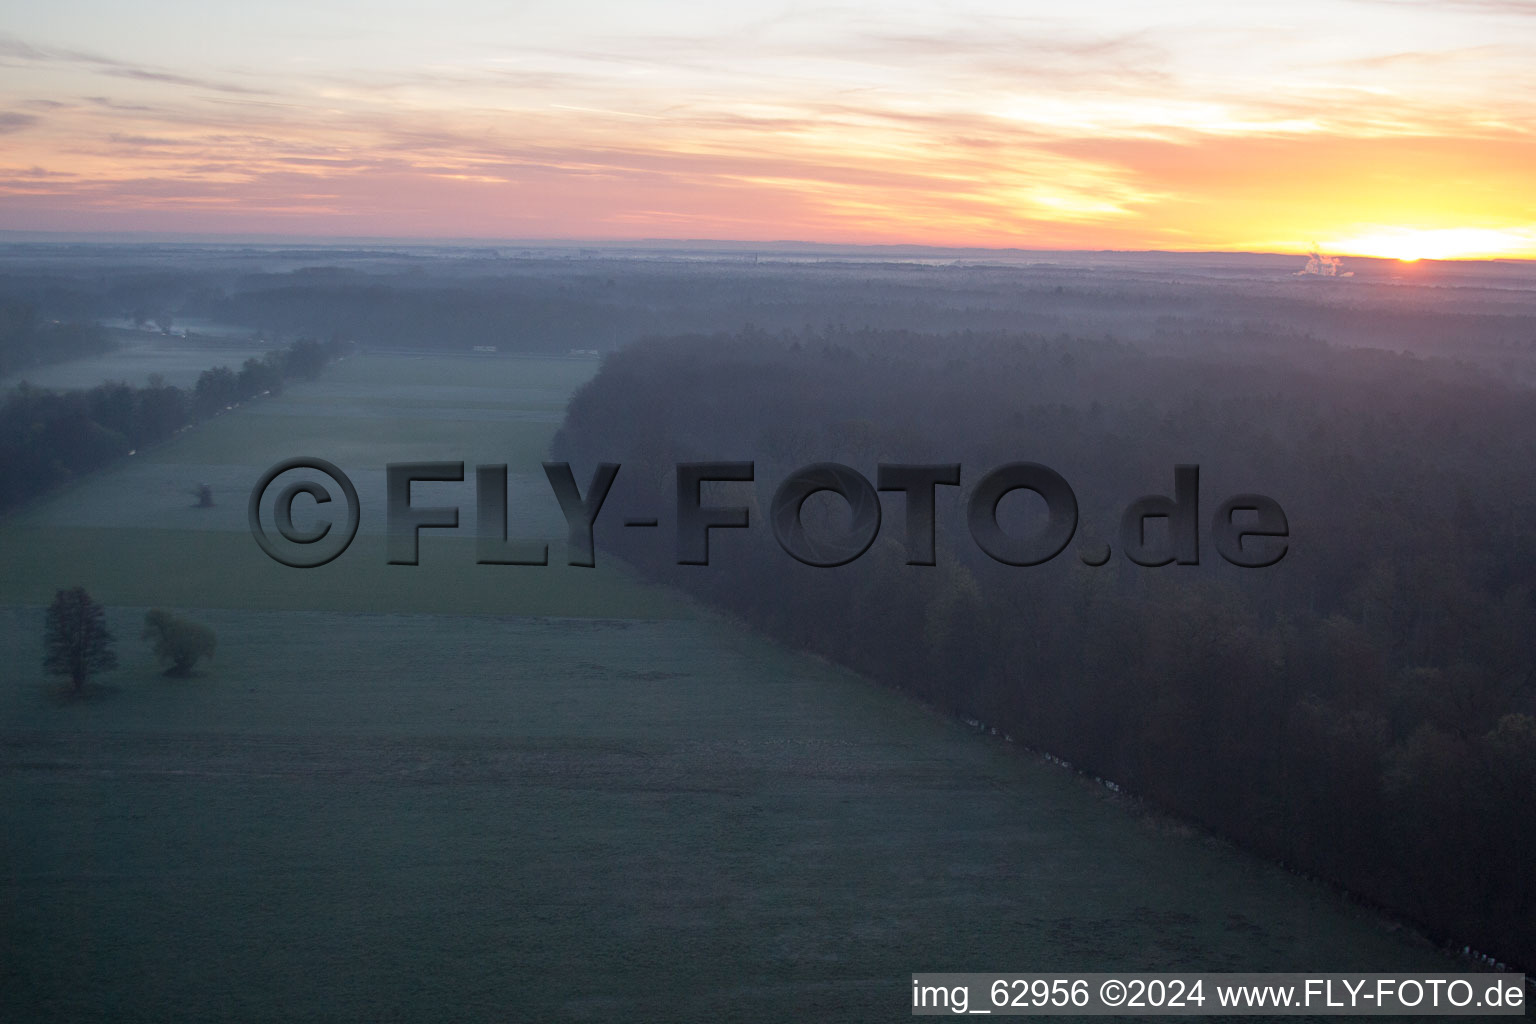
1365 710
49 437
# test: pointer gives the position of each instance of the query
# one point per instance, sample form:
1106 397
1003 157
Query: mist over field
755 789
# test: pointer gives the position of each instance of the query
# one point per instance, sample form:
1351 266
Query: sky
1400 128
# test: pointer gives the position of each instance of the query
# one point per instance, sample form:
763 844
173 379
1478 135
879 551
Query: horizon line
11 236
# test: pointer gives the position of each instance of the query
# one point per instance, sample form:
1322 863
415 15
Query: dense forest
1364 710
49 437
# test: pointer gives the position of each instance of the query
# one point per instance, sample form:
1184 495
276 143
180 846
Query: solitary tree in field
76 640
178 643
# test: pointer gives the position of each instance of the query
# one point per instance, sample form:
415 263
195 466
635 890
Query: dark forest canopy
1365 710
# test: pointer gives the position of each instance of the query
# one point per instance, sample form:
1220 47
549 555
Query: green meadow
462 792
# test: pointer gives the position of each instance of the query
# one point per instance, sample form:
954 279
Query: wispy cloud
1085 124
14 51
1517 8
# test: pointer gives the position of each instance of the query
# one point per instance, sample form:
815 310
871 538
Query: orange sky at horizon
1371 127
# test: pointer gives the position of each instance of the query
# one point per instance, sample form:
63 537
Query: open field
465 792
131 536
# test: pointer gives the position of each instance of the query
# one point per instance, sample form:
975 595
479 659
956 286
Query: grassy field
460 792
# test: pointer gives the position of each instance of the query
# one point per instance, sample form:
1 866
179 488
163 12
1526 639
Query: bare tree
76 638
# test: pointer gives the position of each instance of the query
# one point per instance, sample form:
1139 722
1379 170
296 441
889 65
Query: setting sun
1411 244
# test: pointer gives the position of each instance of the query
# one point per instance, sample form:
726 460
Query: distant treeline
607 310
28 340
553 305
49 437
1365 710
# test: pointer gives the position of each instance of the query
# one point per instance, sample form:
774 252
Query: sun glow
1378 129
1413 244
